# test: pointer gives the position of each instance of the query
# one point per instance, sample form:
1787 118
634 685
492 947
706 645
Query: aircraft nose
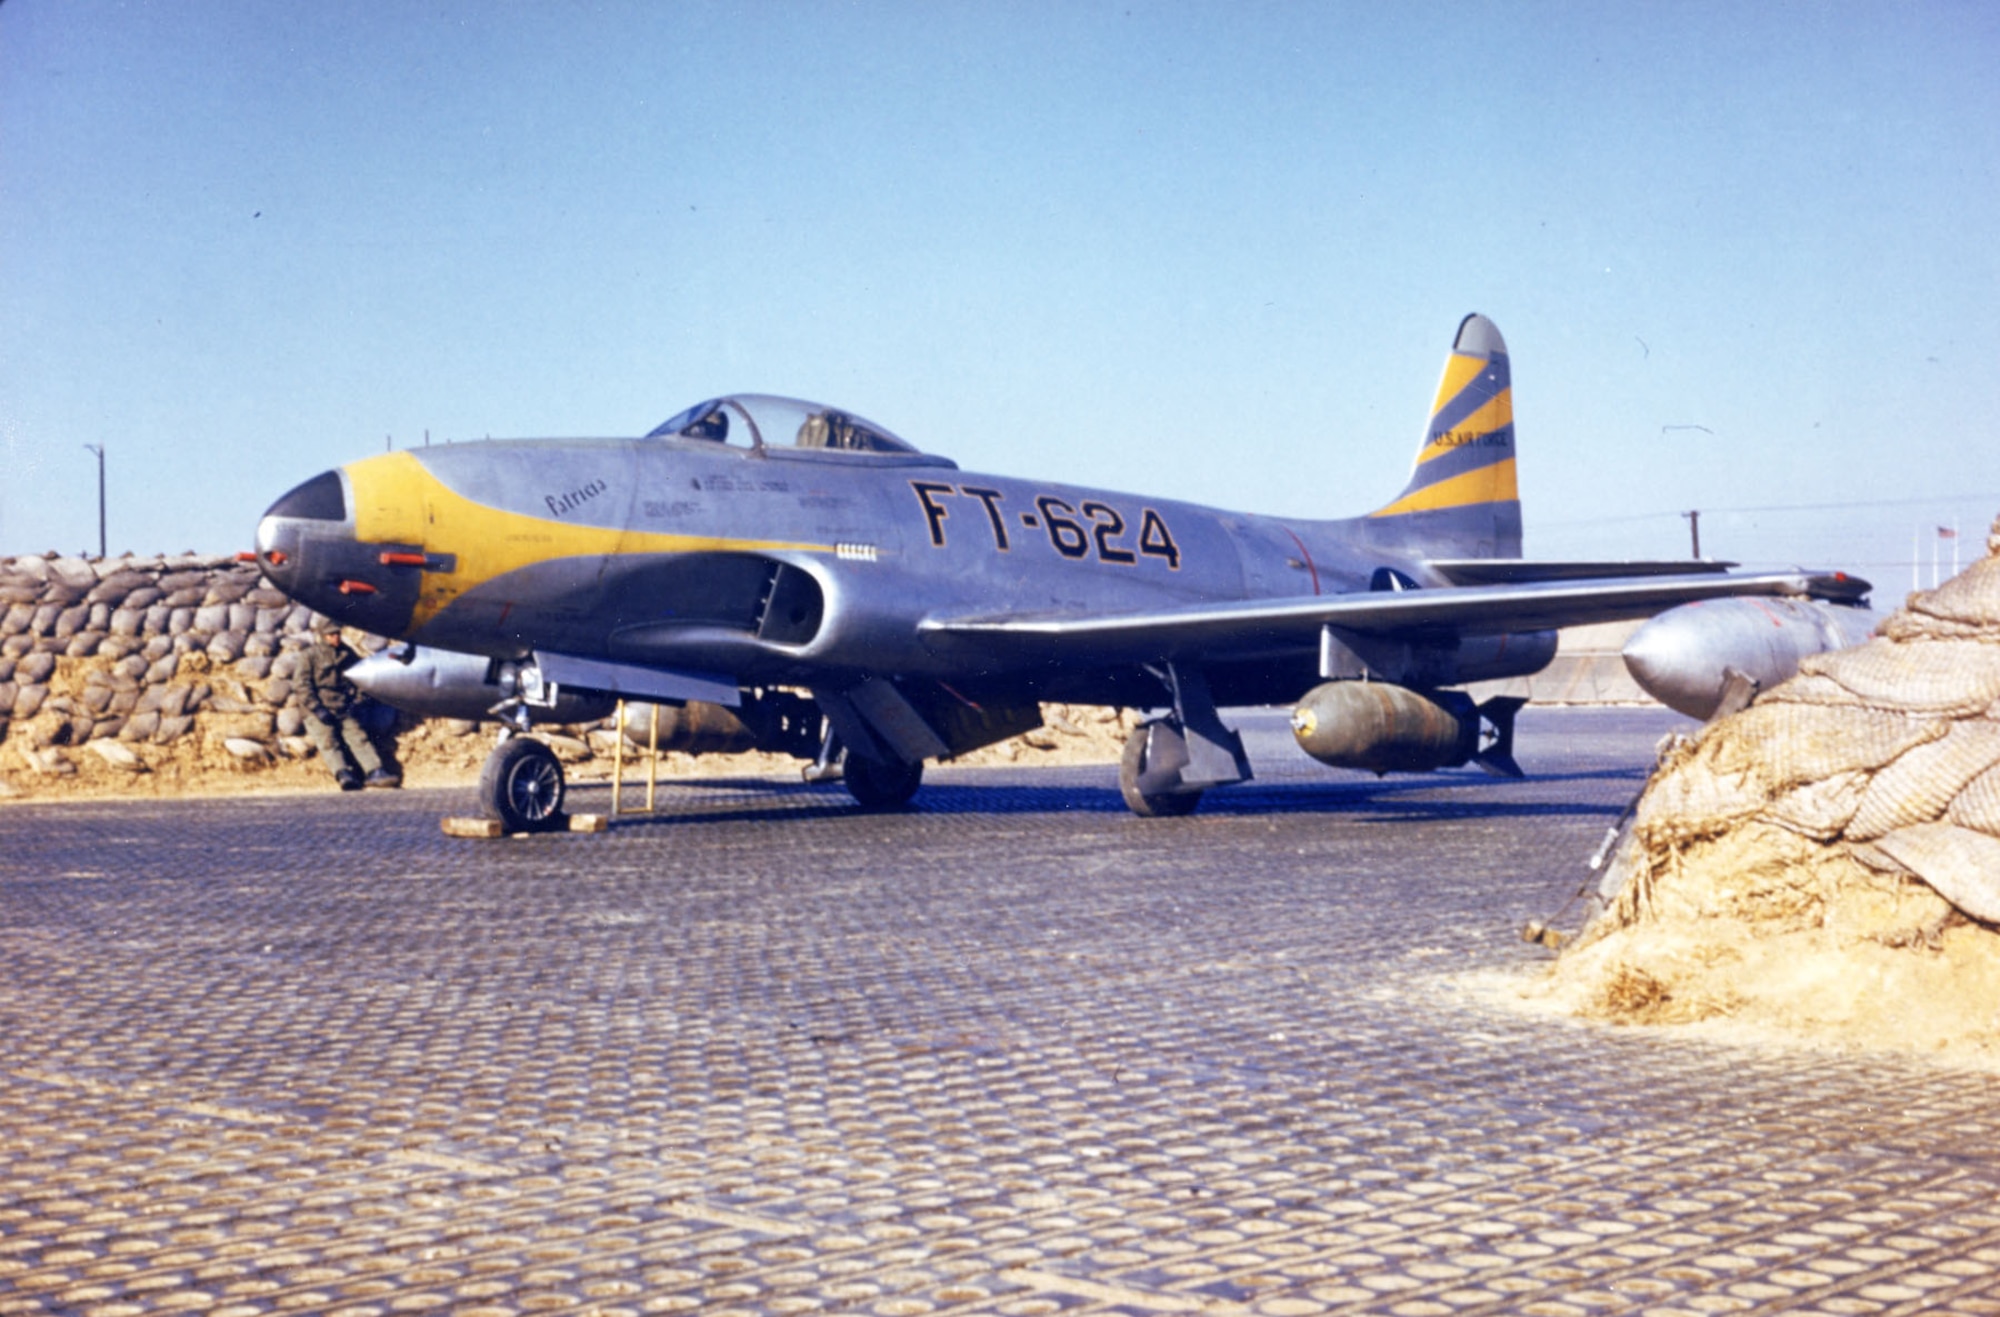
307 546
321 500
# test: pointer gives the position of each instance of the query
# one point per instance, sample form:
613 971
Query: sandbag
1945 678
1919 786
1970 598
1786 745
1978 805
1963 866
1819 810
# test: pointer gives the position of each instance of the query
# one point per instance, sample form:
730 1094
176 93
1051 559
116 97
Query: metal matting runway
1013 1052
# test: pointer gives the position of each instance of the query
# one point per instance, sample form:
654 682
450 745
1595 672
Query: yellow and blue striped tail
1462 501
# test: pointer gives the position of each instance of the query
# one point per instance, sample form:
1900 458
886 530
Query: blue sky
1743 255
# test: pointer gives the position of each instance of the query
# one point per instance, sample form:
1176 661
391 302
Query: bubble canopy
760 420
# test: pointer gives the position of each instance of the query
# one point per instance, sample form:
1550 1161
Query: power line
1541 524
1871 503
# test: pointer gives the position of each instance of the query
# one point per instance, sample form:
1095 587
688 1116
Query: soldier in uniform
330 706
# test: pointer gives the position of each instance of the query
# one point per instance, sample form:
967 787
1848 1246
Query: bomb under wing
1391 729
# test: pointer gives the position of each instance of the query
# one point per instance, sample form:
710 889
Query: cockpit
760 421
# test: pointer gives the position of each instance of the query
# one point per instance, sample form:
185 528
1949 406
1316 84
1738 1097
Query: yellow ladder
618 761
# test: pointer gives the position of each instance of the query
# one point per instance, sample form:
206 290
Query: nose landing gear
522 786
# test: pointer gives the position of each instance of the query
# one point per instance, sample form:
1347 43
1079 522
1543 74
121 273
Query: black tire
522 786
876 784
1155 805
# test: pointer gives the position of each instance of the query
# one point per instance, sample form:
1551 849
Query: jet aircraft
847 598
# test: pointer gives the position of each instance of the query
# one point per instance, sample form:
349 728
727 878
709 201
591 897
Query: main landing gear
1149 772
878 784
1170 761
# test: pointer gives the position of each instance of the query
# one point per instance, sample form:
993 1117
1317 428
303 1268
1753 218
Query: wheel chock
461 826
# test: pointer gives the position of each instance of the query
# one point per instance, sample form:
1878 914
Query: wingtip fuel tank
1689 657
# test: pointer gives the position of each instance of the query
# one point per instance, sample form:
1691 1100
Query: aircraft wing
1267 625
1520 571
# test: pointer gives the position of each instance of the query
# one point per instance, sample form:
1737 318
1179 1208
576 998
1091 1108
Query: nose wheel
522 786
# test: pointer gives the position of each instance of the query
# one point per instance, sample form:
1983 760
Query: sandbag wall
1886 754
145 651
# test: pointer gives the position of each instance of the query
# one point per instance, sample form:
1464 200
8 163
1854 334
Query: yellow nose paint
397 500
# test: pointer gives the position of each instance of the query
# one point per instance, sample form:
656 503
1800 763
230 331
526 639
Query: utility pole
99 450
1694 529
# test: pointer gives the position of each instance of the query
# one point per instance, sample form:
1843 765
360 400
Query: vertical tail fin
1462 501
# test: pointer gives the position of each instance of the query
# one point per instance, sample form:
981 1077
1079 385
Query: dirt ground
439 754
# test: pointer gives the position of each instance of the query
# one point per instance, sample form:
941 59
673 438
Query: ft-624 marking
1102 527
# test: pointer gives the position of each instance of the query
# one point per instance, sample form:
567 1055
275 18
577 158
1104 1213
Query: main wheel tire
1153 805
876 784
522 786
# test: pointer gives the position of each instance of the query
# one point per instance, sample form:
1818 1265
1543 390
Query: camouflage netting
160 675
1829 856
